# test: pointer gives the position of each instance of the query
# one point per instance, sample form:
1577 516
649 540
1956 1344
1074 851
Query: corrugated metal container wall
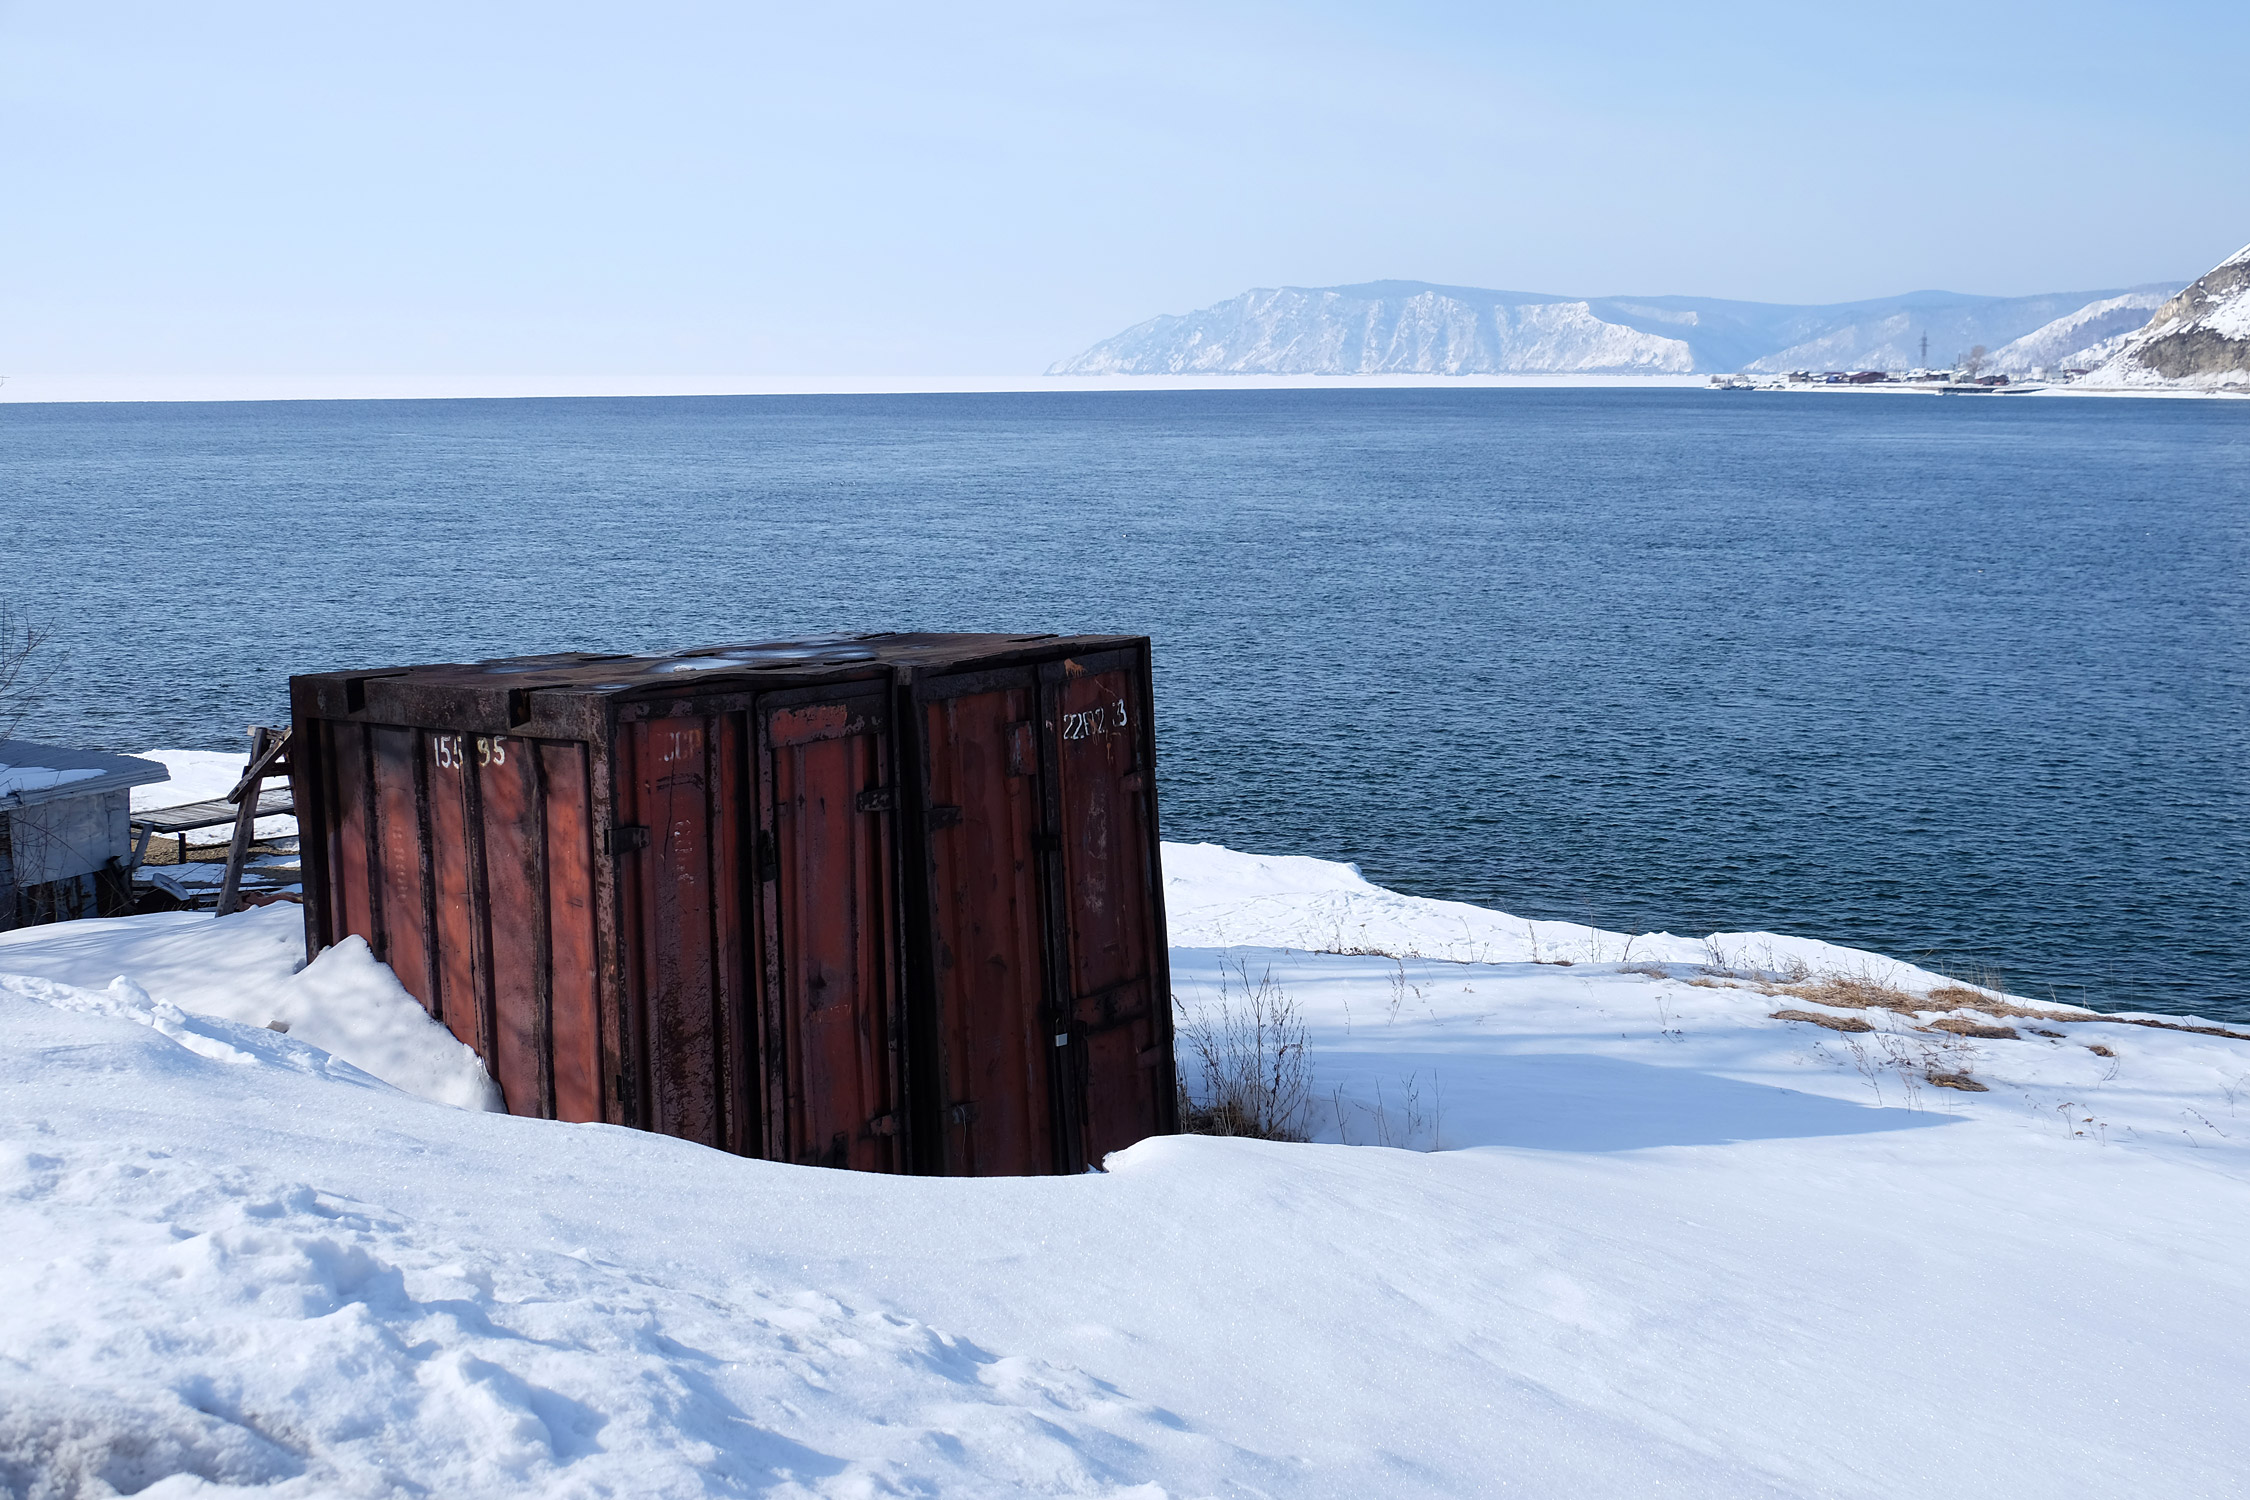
891 904
467 863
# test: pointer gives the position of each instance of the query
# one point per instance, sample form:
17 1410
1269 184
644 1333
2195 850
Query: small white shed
65 844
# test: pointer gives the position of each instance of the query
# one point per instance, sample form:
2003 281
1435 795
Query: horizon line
28 390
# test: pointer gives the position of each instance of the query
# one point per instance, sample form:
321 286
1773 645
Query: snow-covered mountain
2078 340
1386 328
2199 340
1414 327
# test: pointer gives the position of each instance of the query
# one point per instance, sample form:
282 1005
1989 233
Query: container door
401 908
573 1011
824 863
678 775
514 913
1104 888
466 862
456 932
994 1110
348 795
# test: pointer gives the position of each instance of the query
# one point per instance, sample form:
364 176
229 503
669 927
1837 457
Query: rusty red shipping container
890 902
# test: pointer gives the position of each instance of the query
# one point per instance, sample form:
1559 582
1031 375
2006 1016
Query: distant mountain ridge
1424 328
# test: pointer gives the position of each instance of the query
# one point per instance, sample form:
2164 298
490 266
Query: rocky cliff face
2199 340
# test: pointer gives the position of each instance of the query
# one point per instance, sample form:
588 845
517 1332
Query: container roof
593 672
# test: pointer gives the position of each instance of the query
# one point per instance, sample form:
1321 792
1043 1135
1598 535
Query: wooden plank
273 802
266 746
262 749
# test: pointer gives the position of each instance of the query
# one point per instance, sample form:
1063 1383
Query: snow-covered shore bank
1670 1243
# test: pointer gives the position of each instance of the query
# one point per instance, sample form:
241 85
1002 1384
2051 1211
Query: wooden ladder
268 757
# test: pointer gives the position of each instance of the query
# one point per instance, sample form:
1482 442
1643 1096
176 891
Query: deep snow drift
1670 1245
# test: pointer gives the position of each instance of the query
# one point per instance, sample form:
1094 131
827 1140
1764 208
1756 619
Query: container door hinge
624 838
878 799
883 1125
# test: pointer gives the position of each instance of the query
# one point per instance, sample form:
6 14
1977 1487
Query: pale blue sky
663 188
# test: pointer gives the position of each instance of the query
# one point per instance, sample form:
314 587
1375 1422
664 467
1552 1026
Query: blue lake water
1961 680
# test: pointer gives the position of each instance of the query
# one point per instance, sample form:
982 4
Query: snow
2217 303
204 776
2081 339
1217 898
1670 1245
249 968
1348 331
14 779
2230 319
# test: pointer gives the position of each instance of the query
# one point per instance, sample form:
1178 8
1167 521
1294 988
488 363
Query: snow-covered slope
1369 331
2078 340
1672 1244
2199 340
1412 327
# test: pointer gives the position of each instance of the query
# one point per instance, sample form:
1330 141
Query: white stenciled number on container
453 750
1108 719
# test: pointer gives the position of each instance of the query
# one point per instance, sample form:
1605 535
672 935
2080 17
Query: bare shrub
1253 1076
23 671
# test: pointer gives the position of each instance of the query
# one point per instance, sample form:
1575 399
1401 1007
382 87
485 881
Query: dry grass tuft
1962 997
1960 1027
1851 992
1862 992
1833 1023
